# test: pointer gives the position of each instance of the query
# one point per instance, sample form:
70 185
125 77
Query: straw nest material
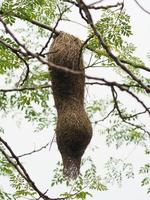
73 131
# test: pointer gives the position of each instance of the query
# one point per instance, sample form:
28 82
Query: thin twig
38 87
146 11
115 96
34 151
101 120
96 2
82 47
51 143
26 73
53 31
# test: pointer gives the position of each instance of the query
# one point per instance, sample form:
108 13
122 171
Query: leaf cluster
80 188
18 184
29 9
117 170
145 171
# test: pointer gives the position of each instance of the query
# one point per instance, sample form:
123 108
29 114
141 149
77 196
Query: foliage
26 88
117 170
20 186
115 28
29 9
145 172
82 187
8 60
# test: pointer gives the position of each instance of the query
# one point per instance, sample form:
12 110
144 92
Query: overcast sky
40 166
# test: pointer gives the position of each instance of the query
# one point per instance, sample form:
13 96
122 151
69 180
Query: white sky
40 166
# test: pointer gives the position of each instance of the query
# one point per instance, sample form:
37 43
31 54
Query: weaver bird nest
73 130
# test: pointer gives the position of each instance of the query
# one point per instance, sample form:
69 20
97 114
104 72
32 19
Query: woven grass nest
73 130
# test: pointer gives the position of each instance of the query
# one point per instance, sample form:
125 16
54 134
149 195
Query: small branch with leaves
15 161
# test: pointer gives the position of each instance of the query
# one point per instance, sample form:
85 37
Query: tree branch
140 66
14 50
101 120
88 18
124 119
38 87
121 88
92 6
54 29
22 171
47 27
22 80
146 11
57 33
34 151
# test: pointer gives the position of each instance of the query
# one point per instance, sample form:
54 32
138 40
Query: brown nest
73 131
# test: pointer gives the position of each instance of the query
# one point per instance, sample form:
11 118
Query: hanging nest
73 131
